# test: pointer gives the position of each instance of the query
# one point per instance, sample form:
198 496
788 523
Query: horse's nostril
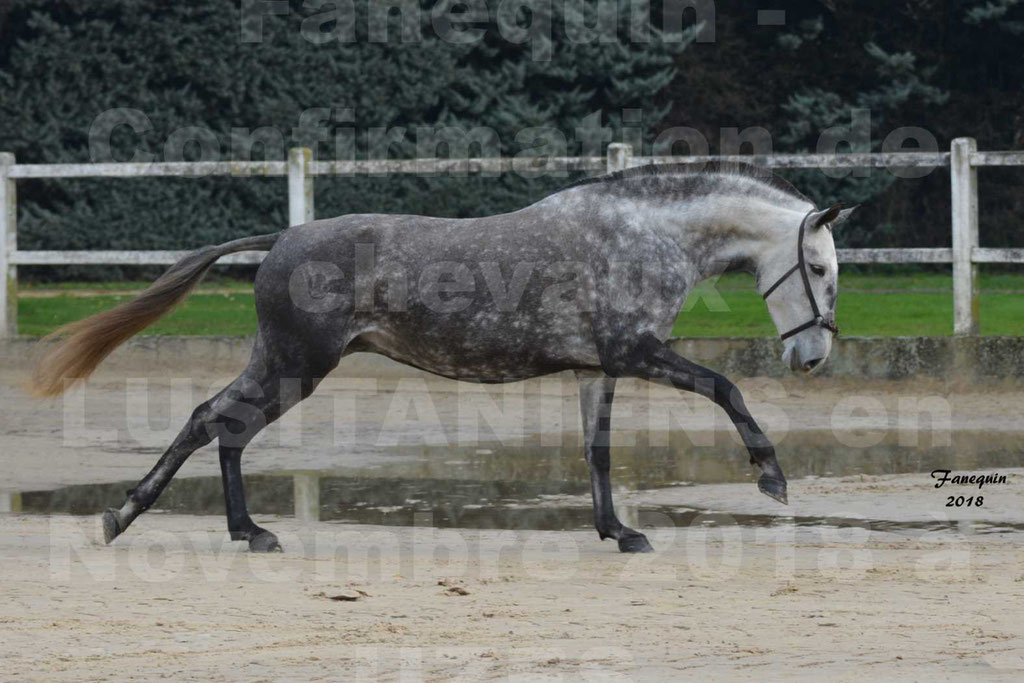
811 364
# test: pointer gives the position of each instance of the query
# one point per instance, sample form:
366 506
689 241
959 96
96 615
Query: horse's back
466 298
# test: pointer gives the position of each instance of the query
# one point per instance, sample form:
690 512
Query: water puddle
547 488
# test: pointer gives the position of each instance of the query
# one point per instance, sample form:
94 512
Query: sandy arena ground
178 601
173 598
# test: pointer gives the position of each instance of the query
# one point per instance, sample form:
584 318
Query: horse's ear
843 216
830 217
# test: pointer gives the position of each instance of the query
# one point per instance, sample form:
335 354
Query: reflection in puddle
518 488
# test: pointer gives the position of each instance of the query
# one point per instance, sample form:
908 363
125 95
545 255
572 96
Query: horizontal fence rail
124 258
798 161
300 169
175 169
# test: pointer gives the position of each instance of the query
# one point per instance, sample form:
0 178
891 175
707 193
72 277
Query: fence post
620 156
8 245
306 488
964 179
300 186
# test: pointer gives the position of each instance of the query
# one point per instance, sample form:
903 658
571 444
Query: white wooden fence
963 161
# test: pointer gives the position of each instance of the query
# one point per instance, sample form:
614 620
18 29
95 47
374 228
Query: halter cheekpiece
801 267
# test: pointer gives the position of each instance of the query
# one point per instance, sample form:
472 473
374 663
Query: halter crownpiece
801 266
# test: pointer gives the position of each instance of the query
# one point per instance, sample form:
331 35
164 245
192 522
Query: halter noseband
801 267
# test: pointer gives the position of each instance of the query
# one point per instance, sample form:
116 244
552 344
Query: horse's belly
491 355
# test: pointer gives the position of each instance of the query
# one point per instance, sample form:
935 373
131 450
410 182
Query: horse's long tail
84 344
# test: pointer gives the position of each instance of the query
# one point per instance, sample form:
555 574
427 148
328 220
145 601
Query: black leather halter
801 267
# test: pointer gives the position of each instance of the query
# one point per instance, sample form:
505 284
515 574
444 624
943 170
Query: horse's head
798 278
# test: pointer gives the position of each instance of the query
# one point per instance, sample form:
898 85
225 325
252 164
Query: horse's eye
818 270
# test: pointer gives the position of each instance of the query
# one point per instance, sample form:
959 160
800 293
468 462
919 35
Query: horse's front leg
653 360
596 393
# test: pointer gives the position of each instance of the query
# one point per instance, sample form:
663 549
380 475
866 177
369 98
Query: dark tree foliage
950 67
185 66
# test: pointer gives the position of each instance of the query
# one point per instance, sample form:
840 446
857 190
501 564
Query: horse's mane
711 169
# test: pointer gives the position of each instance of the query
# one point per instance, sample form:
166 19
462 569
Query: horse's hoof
773 488
265 542
111 525
634 542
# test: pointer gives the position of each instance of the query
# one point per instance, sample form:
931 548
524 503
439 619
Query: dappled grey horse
589 279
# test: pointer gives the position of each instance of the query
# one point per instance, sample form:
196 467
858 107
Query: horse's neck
727 233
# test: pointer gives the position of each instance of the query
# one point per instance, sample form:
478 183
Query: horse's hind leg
596 394
240 524
234 416
272 403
